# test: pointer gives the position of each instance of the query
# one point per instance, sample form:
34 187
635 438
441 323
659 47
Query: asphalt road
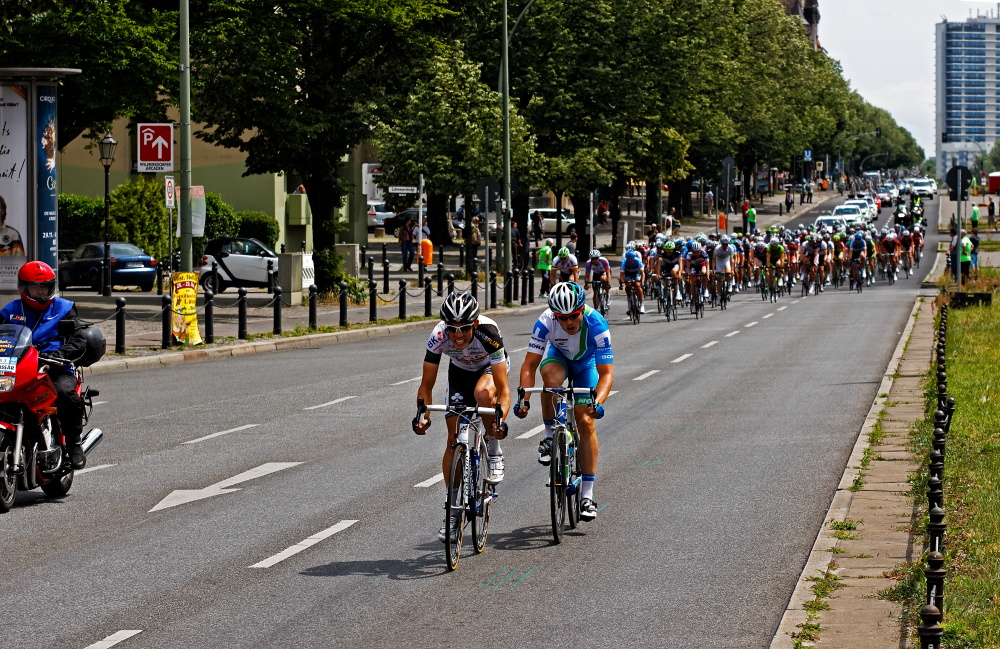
720 453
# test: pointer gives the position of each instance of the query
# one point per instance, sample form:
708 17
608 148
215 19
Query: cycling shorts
582 372
629 277
461 390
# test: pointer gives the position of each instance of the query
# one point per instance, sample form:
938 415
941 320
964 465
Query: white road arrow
184 496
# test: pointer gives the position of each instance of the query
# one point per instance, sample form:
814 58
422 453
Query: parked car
377 214
130 266
549 220
242 262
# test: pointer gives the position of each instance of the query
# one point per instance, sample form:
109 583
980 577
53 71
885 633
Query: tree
138 215
451 131
124 49
296 85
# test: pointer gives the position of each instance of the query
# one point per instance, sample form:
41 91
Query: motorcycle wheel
8 481
59 487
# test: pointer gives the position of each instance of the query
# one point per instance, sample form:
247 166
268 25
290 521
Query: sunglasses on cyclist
571 316
460 329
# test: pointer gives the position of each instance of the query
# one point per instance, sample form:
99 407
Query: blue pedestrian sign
807 155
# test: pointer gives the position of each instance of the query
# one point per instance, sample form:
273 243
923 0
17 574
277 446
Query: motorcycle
33 450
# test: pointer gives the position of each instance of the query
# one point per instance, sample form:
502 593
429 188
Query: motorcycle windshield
14 342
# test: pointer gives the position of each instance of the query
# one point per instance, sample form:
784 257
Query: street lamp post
107 147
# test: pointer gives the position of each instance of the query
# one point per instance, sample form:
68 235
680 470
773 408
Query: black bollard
493 289
120 325
934 572
402 299
451 283
781 209
385 255
461 256
930 632
507 295
241 304
282 248
372 301
371 269
313 297
302 248
515 285
385 277
475 285
420 270
277 311
936 528
440 279
343 304
215 276
166 316
524 286
363 250
935 494
159 278
936 466
270 276
428 292
209 317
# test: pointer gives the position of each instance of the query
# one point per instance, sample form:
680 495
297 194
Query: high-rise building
808 12
968 91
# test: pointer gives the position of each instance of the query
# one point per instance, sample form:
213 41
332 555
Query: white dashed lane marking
304 545
415 378
782 308
747 326
681 358
643 377
113 639
330 403
714 342
732 333
769 315
223 432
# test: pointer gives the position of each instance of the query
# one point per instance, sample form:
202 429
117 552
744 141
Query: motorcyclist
40 310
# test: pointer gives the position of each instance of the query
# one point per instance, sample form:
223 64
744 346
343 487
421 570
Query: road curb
840 505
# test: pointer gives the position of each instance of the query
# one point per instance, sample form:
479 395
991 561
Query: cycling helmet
659 239
566 298
630 245
669 245
595 254
695 246
858 235
890 237
724 240
826 236
906 233
36 282
563 253
631 254
460 307
761 245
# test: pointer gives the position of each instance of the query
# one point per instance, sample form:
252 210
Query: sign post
170 197
959 179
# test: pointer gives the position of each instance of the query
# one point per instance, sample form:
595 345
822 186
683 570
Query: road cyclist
567 265
723 256
598 272
571 341
632 275
477 375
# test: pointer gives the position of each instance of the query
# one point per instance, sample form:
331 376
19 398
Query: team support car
130 266
242 262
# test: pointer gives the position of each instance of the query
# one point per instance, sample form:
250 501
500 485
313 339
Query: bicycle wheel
456 486
482 500
573 500
558 473
659 297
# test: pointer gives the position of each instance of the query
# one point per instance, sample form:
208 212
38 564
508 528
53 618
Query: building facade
808 12
968 91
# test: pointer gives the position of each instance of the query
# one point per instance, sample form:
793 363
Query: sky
887 49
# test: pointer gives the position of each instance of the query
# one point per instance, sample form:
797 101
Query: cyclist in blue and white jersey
571 340
633 271
600 267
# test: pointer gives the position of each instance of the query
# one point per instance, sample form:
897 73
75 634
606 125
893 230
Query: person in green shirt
965 256
752 220
975 215
545 266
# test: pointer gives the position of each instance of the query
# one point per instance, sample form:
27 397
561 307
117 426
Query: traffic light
878 131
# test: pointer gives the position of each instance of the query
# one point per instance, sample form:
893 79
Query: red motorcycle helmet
36 282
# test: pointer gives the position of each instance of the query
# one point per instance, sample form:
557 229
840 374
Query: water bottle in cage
463 434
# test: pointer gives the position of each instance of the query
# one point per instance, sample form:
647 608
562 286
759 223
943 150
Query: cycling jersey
632 266
598 267
565 265
580 353
723 254
889 246
775 252
669 261
906 242
485 349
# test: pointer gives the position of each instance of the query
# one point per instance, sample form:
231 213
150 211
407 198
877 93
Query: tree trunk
581 210
616 209
437 219
559 219
680 196
323 202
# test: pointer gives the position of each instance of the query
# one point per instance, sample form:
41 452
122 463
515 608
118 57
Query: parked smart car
130 266
242 262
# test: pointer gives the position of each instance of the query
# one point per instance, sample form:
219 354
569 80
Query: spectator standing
571 244
545 266
745 209
974 266
809 192
751 220
789 200
992 214
537 227
710 197
965 256
974 220
405 236
475 240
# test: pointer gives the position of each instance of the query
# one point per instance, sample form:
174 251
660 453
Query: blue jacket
44 326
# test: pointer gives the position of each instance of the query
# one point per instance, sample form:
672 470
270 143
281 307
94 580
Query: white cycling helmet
566 298
595 254
460 307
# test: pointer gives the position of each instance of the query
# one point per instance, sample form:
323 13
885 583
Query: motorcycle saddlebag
96 346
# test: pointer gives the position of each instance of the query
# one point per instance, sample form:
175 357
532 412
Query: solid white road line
680 358
113 639
795 301
643 377
304 545
93 468
714 342
98 403
433 481
224 432
782 308
531 433
415 378
747 326
732 333
769 315
330 403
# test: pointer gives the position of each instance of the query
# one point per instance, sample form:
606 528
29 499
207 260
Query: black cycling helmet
460 307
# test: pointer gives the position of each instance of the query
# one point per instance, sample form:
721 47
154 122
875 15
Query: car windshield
126 250
846 209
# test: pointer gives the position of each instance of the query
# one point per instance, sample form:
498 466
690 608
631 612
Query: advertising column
13 181
46 196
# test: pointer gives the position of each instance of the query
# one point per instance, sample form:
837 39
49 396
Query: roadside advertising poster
46 197
13 182
198 212
185 307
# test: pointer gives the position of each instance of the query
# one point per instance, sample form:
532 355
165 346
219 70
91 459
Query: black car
130 266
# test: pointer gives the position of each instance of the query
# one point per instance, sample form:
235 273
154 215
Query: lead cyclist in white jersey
477 375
